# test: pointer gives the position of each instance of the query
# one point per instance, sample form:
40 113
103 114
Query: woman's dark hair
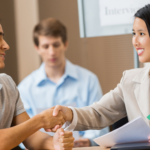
144 14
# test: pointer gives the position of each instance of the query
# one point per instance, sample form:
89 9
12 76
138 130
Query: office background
106 56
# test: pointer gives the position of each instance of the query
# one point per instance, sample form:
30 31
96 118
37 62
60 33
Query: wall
107 57
8 23
26 13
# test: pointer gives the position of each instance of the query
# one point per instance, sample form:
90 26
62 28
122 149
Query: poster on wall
119 12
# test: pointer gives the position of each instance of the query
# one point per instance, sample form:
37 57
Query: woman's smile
2 56
140 51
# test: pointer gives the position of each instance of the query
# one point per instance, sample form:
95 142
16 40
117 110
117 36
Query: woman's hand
50 121
63 140
67 112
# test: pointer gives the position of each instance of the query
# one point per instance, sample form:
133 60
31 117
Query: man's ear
36 48
66 45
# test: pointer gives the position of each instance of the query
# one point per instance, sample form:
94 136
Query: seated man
15 124
58 81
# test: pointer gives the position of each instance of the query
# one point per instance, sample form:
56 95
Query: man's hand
50 121
63 140
82 143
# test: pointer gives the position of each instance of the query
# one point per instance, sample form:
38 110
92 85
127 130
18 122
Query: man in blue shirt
58 81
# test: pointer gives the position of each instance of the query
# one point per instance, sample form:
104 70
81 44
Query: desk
91 148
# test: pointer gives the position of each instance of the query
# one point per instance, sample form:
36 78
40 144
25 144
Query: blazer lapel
142 91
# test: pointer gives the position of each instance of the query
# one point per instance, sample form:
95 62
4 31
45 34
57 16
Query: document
135 131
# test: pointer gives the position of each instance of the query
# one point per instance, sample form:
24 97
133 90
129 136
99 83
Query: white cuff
70 126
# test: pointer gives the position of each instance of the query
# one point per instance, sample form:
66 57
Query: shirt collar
70 70
40 75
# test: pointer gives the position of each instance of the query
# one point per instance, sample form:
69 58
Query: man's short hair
49 27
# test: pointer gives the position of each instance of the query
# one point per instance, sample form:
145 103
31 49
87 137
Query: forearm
39 140
97 116
84 119
11 137
88 118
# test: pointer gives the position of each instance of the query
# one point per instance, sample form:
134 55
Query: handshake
53 118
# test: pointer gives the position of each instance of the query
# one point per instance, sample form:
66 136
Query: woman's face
3 47
141 40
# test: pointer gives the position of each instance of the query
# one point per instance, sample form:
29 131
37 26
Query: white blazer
130 98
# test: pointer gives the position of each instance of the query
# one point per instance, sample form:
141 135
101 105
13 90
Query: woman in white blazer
130 98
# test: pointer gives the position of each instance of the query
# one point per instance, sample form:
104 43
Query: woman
24 129
130 98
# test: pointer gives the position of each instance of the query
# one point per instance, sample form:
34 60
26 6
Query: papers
135 131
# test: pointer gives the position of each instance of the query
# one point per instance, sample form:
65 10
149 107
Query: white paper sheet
135 131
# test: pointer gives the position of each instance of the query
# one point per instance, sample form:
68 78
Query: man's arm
30 140
11 137
40 140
